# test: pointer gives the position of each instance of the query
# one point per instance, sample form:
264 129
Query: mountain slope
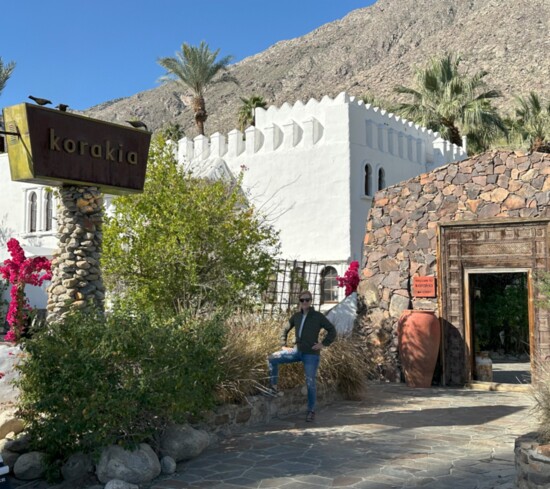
375 49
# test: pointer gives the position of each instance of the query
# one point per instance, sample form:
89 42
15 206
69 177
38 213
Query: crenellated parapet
322 122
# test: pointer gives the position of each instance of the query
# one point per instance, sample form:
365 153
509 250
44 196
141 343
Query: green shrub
250 339
91 381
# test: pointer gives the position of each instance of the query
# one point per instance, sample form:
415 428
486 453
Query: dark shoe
310 416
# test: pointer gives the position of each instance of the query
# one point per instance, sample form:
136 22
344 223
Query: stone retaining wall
532 463
257 410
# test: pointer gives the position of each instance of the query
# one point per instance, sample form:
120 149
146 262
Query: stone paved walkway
398 437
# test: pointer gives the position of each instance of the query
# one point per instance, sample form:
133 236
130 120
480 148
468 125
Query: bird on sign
40 101
62 107
137 124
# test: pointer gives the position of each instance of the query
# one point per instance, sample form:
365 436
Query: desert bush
250 339
90 381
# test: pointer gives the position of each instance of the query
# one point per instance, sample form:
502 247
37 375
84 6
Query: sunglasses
305 299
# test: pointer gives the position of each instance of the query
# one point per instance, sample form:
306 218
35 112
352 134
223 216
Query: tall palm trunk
454 135
199 108
537 144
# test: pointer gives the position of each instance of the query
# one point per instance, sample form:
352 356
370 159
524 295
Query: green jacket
310 333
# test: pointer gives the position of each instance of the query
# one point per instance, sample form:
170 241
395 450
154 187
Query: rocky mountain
371 49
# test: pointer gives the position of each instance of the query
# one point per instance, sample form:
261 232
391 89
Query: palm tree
246 112
5 72
195 68
533 122
452 103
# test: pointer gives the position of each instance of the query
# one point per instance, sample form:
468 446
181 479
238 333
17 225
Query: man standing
307 324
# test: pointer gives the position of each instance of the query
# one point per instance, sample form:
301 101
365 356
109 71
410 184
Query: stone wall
258 410
401 239
532 462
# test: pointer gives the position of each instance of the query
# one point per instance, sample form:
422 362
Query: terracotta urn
419 334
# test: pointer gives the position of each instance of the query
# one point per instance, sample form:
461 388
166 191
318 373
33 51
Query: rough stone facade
401 240
76 273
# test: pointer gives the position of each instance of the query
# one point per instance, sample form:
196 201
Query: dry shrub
540 390
250 339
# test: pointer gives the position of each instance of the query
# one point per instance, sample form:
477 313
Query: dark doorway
499 318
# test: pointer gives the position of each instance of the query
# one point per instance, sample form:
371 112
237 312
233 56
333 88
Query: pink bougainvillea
20 271
350 280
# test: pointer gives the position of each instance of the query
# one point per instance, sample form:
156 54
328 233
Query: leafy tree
186 242
195 68
452 103
246 112
6 69
532 122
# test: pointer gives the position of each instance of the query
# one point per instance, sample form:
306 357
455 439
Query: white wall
296 170
14 224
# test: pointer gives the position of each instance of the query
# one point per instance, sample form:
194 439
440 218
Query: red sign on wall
424 287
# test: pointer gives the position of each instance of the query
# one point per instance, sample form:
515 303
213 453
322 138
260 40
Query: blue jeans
311 364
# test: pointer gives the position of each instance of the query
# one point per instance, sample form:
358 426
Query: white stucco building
312 168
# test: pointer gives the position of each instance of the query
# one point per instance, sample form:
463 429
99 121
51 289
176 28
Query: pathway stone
397 438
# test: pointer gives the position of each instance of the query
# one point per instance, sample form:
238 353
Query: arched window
368 180
329 285
48 211
381 178
32 209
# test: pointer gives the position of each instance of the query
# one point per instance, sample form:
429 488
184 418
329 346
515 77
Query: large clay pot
419 335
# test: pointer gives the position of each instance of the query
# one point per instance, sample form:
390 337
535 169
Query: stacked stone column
76 274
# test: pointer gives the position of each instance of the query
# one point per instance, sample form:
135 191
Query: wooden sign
51 147
424 287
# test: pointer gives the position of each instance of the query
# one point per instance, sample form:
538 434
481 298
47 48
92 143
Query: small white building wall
14 221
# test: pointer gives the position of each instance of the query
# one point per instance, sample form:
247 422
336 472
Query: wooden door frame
455 237
469 329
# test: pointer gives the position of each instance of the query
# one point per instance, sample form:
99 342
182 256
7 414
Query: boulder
21 444
167 465
30 466
9 422
8 456
120 484
77 467
134 466
182 442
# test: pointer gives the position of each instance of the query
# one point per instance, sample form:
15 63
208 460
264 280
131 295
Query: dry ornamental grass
251 338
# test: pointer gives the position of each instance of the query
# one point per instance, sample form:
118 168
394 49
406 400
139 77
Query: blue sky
84 52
